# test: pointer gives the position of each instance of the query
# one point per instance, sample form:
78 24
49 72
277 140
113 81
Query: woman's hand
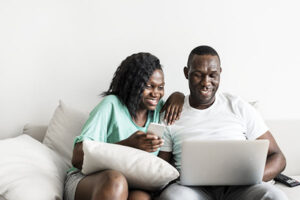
173 107
140 140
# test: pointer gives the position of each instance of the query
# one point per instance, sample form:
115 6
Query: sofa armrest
287 135
38 132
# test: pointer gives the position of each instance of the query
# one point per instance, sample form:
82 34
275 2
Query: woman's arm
144 141
167 156
77 158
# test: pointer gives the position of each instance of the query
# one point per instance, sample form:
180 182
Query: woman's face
154 90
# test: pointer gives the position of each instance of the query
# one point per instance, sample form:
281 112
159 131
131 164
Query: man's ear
186 72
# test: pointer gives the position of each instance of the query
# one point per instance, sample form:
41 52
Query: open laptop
223 162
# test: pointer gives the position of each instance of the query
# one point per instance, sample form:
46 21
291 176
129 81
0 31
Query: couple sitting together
134 100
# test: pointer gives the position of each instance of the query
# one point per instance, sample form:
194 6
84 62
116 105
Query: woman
131 103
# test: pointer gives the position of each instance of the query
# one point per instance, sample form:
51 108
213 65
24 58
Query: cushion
36 131
64 126
143 170
30 171
292 193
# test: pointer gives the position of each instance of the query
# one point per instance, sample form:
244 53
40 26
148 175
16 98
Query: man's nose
205 81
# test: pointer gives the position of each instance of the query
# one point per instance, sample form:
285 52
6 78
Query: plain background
69 50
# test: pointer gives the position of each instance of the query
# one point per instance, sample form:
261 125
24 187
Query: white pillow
64 126
143 170
37 132
30 171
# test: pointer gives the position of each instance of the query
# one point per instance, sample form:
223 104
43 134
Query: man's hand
173 107
140 140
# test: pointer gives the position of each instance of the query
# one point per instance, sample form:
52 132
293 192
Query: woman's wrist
125 142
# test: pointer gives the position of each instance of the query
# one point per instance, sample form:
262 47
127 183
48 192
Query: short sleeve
255 125
168 144
97 124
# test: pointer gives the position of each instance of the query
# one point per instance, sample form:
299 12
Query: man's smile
205 91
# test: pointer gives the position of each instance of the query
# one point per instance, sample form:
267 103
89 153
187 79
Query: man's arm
275 160
173 107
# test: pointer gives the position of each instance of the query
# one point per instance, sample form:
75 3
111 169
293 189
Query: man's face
204 78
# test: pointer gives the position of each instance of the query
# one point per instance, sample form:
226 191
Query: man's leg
176 191
263 191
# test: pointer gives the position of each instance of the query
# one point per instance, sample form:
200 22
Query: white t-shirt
228 118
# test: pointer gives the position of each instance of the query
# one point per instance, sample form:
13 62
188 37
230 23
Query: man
216 116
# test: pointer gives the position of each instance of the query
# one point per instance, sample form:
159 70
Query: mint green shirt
111 122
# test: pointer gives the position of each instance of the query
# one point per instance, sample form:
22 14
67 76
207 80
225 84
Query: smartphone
157 129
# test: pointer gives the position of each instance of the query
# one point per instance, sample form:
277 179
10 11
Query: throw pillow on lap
143 170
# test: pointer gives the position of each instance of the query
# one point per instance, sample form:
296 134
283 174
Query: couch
287 135
39 179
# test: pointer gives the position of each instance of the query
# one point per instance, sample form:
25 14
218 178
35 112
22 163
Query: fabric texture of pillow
142 170
64 126
30 171
38 132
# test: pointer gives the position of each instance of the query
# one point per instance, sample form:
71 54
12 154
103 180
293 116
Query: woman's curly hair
130 78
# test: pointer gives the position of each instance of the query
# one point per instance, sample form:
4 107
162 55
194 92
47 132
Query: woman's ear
186 72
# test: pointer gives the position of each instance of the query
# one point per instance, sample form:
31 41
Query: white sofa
287 135
65 120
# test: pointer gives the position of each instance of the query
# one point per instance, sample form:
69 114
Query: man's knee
268 192
179 192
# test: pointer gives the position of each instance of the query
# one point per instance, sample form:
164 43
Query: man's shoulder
231 98
228 96
237 104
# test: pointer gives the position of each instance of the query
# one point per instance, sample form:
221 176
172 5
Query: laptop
223 162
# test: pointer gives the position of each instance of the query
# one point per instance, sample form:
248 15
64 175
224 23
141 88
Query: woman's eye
148 86
161 87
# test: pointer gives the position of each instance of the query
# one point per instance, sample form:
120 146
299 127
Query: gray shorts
71 183
264 190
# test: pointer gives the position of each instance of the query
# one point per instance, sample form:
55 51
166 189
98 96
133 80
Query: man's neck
199 105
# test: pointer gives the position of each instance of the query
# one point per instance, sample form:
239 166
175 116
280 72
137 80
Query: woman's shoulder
108 102
110 99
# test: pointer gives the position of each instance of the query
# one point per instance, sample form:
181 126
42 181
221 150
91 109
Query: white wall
54 49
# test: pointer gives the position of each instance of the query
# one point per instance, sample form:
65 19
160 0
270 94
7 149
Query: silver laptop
223 162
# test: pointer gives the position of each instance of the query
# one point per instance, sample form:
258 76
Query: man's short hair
202 50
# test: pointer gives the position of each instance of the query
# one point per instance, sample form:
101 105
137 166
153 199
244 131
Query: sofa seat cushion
293 193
